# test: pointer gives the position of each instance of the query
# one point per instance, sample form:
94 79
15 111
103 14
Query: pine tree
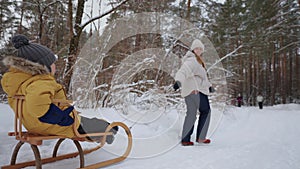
269 32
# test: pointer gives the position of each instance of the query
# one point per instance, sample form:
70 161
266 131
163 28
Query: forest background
260 39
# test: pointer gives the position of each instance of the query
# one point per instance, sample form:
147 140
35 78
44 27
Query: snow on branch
288 45
102 15
220 60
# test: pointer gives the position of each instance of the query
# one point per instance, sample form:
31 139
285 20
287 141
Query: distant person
192 78
239 100
260 100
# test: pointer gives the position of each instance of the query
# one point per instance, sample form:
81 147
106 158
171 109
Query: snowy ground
246 138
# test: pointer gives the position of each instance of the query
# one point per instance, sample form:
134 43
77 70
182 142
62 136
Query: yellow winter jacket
39 87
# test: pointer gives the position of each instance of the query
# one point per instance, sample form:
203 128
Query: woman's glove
57 116
176 85
211 89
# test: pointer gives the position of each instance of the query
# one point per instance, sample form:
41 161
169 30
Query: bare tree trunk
277 79
273 83
188 15
74 40
251 79
284 81
75 36
70 19
254 77
20 28
290 82
297 73
41 24
268 79
41 10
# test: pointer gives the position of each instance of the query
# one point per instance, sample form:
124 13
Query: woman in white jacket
195 87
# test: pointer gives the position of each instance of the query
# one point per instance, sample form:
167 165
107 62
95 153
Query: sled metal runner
36 140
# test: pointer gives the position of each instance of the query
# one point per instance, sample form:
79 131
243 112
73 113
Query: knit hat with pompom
33 52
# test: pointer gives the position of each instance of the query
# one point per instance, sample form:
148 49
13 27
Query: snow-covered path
247 138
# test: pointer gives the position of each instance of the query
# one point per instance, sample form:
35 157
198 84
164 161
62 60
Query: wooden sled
36 140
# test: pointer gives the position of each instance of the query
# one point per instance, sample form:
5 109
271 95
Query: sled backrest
25 136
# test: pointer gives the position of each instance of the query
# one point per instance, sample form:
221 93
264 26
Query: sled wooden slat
43 161
118 159
36 140
32 138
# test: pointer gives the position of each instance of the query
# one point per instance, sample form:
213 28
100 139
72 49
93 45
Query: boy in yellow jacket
31 73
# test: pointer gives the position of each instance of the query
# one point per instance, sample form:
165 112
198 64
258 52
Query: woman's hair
199 60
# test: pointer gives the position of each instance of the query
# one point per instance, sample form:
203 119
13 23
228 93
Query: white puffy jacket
192 76
259 98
